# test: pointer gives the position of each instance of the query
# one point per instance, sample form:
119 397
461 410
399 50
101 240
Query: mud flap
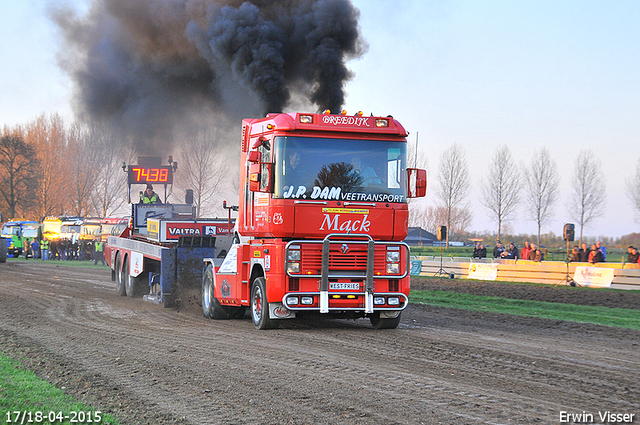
279 311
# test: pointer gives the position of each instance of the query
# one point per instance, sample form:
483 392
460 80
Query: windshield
70 228
91 229
339 169
9 231
30 231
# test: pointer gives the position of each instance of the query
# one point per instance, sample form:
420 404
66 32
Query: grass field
618 317
27 399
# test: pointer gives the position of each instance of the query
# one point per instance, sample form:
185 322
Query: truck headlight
293 255
393 256
293 267
292 300
378 301
393 301
306 300
393 268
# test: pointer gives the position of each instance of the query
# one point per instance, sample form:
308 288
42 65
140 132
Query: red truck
321 218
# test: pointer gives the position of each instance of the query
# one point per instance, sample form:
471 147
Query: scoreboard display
143 175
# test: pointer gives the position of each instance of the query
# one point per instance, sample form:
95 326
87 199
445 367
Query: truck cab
323 203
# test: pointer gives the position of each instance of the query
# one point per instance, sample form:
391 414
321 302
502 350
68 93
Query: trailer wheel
384 323
120 277
211 307
3 250
260 306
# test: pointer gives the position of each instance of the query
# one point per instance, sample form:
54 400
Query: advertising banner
483 271
595 277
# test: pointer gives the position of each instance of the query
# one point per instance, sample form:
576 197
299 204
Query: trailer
159 250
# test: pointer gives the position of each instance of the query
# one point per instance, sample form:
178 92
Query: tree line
509 188
49 168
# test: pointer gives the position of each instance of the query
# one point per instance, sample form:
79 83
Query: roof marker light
344 112
359 113
326 112
270 126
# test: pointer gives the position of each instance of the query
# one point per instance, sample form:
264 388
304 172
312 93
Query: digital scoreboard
143 175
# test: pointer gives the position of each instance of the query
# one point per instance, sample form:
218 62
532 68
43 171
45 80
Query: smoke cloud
149 67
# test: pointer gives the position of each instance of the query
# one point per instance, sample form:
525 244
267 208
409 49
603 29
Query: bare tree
201 169
541 188
500 192
48 137
109 151
588 197
18 174
453 183
633 190
82 172
416 159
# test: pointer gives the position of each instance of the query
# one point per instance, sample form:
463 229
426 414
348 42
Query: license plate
352 286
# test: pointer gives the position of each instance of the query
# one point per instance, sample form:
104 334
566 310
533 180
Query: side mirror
260 177
254 177
254 156
417 183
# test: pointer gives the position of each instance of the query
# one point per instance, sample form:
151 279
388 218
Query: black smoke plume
150 66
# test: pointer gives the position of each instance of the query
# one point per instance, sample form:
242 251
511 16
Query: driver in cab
367 175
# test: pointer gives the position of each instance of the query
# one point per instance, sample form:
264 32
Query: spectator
584 253
27 249
633 256
44 247
35 247
99 252
574 257
595 256
512 253
524 254
498 250
535 254
479 251
602 249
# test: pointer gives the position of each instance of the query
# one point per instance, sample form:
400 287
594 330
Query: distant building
417 236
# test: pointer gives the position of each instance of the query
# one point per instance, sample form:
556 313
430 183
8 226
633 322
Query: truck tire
120 285
385 323
3 250
211 307
260 306
131 283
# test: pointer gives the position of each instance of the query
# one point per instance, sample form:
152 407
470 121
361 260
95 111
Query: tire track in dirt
439 366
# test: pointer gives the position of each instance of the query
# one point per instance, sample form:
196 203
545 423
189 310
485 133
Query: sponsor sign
595 277
483 271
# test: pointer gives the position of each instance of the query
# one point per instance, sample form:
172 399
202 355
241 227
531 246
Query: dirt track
150 365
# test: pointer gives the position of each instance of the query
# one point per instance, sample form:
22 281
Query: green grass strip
618 317
22 391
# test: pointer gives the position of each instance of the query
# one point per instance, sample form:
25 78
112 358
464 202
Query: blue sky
558 74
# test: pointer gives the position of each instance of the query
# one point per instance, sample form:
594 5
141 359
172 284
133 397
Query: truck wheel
120 286
260 306
384 323
3 250
211 307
